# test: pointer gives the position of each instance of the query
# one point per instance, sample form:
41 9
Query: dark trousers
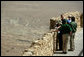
59 41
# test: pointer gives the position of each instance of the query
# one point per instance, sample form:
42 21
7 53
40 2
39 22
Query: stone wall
41 47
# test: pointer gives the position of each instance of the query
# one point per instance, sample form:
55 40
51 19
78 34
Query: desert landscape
25 21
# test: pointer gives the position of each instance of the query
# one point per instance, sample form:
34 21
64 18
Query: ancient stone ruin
46 45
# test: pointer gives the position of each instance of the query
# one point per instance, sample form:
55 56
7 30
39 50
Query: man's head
62 17
69 17
64 21
72 18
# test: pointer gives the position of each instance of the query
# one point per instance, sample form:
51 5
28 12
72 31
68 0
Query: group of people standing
66 33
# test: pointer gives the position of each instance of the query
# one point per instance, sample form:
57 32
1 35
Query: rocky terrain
25 21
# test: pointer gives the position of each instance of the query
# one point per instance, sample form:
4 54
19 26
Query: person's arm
60 28
70 30
53 30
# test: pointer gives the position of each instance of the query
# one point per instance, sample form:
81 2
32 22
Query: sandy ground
25 21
